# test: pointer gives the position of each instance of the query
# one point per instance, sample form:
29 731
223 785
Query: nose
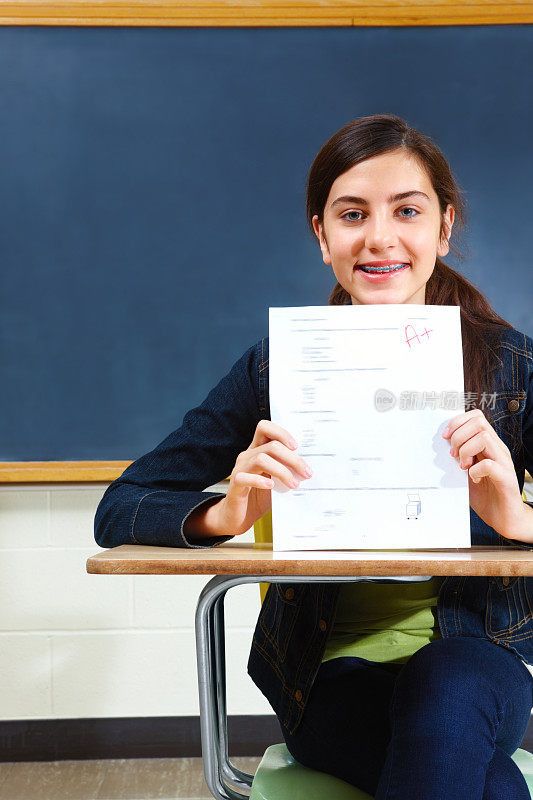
379 234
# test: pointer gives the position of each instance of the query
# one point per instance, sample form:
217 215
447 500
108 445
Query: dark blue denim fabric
151 500
443 725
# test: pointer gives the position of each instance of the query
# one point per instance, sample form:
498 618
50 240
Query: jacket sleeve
150 501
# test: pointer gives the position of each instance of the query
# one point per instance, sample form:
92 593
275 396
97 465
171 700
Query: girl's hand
494 491
270 454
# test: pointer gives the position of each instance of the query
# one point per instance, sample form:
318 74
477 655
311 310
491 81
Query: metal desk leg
228 770
210 652
212 693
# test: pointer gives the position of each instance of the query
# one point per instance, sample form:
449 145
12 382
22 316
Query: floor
113 779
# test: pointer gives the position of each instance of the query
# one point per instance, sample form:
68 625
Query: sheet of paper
366 391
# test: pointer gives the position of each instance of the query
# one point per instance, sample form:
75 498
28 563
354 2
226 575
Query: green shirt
384 621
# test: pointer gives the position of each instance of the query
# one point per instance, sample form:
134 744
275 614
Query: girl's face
365 223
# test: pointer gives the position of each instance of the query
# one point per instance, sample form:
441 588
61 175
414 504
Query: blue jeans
442 726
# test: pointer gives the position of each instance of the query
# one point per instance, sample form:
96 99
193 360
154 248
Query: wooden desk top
232 558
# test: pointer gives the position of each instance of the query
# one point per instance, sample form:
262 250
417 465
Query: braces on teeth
384 269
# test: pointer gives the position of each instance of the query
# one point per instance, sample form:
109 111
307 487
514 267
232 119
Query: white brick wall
80 645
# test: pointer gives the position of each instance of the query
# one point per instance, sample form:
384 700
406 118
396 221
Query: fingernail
294 484
445 431
292 443
308 472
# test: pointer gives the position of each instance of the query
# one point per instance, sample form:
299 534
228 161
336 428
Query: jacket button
289 594
512 405
505 581
322 625
298 695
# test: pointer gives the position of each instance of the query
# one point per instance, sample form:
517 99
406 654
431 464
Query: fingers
254 464
278 442
266 430
481 444
293 460
470 435
268 463
487 469
460 419
270 460
248 480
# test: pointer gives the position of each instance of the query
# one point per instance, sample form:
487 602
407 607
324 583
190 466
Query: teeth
384 269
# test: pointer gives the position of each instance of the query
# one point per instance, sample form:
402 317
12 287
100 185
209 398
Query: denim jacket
150 502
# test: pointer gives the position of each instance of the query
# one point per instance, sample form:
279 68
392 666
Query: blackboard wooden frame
231 13
272 13
61 471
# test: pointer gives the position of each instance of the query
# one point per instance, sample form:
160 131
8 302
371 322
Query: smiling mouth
390 268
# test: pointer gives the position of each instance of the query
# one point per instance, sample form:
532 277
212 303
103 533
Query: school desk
234 563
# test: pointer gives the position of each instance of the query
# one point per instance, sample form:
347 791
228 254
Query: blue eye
406 208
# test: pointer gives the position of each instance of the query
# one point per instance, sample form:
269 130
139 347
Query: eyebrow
348 198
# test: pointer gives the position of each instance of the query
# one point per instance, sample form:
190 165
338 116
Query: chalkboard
153 202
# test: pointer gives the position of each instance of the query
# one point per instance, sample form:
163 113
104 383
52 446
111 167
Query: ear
319 231
447 224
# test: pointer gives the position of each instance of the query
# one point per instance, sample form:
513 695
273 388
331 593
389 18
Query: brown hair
370 136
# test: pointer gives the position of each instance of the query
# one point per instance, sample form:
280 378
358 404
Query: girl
405 691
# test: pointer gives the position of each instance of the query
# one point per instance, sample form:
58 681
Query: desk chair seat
279 776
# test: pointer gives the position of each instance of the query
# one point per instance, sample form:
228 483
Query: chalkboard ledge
61 471
264 13
66 472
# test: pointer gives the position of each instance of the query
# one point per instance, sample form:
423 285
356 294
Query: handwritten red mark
409 339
